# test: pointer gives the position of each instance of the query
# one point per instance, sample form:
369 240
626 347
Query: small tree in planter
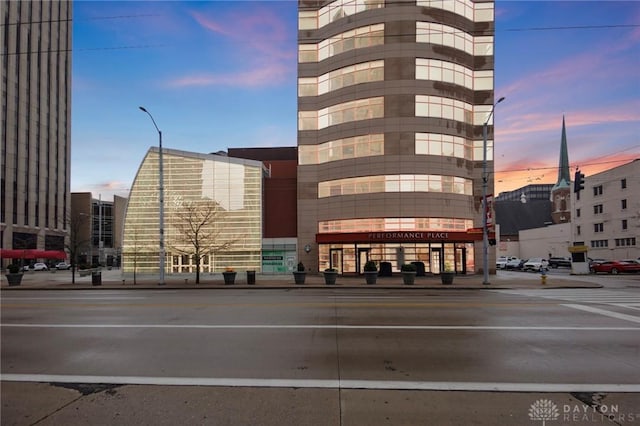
447 274
408 273
330 275
370 272
14 275
299 275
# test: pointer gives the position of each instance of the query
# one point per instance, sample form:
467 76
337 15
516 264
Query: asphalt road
311 356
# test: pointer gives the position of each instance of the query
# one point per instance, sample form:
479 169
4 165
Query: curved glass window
444 35
438 107
361 109
394 224
395 183
371 35
340 149
477 12
311 20
443 145
449 72
348 76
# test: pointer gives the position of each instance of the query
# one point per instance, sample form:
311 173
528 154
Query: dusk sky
222 74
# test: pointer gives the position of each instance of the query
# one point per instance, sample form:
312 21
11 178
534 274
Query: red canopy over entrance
32 254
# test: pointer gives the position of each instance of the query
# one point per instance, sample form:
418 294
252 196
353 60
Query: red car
614 266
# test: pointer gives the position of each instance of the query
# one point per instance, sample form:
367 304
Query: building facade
98 225
211 201
279 242
607 213
35 138
392 99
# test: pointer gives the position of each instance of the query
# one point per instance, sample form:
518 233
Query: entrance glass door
335 259
436 255
363 257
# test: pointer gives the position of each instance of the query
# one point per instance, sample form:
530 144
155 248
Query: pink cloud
258 37
526 173
262 32
264 76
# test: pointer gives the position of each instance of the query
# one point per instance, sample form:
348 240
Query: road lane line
328 326
325 383
616 315
75 298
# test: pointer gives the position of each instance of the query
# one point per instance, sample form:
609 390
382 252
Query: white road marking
326 383
611 314
324 326
594 296
73 298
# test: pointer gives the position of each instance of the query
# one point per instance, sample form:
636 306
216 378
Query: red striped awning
32 254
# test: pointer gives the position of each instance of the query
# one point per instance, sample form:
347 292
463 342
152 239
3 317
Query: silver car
536 264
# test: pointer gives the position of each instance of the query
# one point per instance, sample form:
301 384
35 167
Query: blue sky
220 74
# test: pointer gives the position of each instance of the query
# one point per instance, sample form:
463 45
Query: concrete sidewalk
114 279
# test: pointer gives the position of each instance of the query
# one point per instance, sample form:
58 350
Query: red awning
32 254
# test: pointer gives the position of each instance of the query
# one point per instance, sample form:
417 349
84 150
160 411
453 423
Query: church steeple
561 191
564 174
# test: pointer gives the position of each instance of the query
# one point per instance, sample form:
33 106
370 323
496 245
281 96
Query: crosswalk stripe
594 296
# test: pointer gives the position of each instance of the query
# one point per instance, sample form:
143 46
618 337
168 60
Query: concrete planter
409 278
299 277
229 277
447 277
371 277
330 277
14 278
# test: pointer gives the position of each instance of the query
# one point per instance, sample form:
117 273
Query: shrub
300 267
370 266
331 270
408 267
14 268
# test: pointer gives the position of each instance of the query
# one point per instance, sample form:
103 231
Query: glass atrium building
220 196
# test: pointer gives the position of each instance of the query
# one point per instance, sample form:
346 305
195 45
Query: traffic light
578 182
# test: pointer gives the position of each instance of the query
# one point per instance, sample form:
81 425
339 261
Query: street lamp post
485 179
160 197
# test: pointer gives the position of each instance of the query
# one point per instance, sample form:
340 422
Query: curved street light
160 198
485 178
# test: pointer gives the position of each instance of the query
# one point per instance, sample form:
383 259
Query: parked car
614 267
38 266
555 262
535 264
501 262
514 263
63 266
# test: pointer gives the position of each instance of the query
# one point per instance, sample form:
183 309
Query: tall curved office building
392 99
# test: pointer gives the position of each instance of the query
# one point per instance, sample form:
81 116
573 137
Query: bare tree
78 240
198 231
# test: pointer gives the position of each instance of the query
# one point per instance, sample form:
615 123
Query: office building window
623 242
623 183
599 243
341 149
395 224
597 209
598 227
624 224
597 190
623 204
395 183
